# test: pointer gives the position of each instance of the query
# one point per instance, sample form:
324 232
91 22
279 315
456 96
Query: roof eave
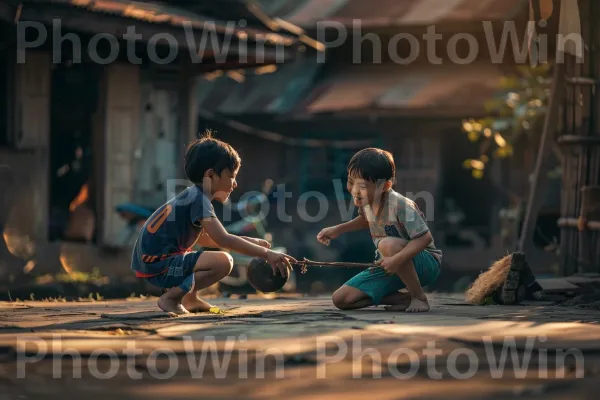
72 19
429 112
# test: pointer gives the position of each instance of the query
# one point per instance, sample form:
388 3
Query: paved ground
297 347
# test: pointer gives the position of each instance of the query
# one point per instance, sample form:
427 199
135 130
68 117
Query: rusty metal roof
161 13
295 89
381 13
277 92
148 12
446 89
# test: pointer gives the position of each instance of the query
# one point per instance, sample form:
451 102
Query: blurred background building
79 137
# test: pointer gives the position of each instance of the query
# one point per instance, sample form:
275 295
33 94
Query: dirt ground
297 347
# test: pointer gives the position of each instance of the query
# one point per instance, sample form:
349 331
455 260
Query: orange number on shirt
159 219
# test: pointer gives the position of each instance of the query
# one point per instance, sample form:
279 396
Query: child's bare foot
418 304
402 303
192 303
171 305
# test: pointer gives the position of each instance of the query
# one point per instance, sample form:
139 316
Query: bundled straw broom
507 281
489 281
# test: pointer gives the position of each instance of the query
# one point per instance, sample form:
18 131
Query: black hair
373 164
209 153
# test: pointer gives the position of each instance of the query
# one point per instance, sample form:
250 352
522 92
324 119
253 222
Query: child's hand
280 262
327 234
390 265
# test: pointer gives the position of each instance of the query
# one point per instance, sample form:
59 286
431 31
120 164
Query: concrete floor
297 347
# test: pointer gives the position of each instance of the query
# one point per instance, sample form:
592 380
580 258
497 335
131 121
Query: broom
503 281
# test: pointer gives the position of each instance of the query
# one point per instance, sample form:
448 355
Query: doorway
74 101
468 202
158 163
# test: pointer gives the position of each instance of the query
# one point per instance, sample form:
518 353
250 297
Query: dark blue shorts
180 272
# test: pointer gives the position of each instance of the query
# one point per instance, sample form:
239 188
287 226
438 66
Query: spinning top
260 276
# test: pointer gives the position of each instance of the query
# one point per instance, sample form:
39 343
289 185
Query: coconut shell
260 276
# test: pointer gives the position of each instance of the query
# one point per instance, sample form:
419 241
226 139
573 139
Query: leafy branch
516 113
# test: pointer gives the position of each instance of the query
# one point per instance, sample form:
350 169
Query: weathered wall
24 230
25 220
28 168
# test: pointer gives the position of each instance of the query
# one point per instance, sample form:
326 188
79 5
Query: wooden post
540 175
121 126
590 211
32 81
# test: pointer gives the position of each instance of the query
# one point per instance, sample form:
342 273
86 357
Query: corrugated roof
275 93
155 13
443 89
307 13
165 14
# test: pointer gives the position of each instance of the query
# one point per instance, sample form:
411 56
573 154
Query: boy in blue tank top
162 253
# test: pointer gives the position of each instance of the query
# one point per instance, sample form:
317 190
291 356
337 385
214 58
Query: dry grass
489 281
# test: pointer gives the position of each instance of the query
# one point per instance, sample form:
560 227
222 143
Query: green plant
80 277
515 113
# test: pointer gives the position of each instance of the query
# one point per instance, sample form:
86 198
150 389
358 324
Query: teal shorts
376 284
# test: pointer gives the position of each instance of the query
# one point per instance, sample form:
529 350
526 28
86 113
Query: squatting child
163 253
407 255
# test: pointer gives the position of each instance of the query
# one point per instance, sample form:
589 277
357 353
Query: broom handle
309 263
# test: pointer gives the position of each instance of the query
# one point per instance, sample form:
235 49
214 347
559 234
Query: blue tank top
172 229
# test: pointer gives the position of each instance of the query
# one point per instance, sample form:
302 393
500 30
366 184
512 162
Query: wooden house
300 124
90 118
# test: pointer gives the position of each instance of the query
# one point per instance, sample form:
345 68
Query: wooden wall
120 135
28 156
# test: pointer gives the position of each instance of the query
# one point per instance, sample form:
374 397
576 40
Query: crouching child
163 254
406 253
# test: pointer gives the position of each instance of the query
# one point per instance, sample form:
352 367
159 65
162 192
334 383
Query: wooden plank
566 160
575 176
568 243
121 133
575 223
559 285
584 279
32 128
567 250
33 101
594 168
587 72
590 211
159 128
578 248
